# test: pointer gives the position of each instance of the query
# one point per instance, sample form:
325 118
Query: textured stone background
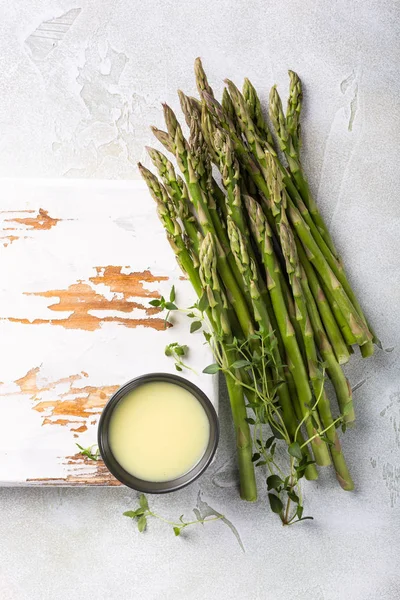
80 83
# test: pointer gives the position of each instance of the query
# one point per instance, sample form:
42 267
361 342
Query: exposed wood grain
127 284
83 471
73 407
20 223
79 299
40 221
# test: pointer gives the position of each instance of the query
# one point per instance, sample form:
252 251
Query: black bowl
142 485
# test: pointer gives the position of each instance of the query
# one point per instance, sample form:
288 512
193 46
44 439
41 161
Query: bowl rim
161 487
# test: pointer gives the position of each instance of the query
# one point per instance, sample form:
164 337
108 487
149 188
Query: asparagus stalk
316 377
178 191
335 373
226 263
263 235
293 110
218 304
288 147
229 109
254 107
168 216
330 324
287 129
278 195
248 269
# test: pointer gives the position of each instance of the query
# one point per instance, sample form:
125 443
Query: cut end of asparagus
346 484
311 473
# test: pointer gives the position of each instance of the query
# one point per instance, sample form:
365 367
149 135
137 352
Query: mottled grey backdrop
80 82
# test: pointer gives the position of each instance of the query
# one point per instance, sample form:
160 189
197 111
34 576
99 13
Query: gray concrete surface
78 105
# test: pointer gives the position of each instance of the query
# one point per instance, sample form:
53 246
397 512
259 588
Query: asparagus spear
287 129
248 269
287 146
229 109
254 107
332 329
293 110
167 214
263 234
226 262
218 304
335 373
314 254
316 377
178 191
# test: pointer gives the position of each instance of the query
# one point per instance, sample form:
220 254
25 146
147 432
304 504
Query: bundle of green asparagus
281 315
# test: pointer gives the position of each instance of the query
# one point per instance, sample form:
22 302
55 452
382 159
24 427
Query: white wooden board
79 263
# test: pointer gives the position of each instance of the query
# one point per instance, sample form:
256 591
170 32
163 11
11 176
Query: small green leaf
253 405
155 302
274 482
275 503
211 369
203 303
295 450
168 351
207 336
170 306
191 315
299 511
250 421
143 502
240 364
178 367
195 326
294 497
276 433
261 463
181 350
172 294
269 442
256 456
133 513
177 530
89 452
142 523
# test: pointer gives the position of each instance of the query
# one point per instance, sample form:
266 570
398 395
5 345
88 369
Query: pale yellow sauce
158 431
